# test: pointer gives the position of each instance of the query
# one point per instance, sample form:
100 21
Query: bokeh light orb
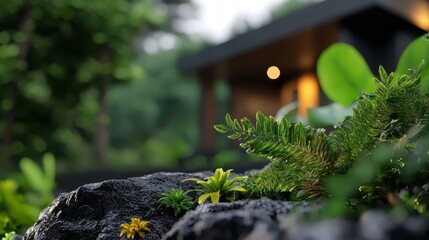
273 72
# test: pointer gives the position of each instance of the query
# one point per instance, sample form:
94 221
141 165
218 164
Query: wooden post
102 119
209 110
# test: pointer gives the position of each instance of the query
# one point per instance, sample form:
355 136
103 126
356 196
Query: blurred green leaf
344 74
329 115
33 174
49 168
20 212
412 56
40 180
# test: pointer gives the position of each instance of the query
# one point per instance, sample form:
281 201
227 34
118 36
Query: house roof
309 17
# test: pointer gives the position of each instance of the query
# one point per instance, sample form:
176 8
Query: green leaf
237 126
221 128
229 121
413 55
214 197
49 168
230 182
33 174
247 125
211 186
344 74
199 181
382 73
218 173
191 179
236 188
425 84
213 182
234 136
329 115
203 198
260 117
224 178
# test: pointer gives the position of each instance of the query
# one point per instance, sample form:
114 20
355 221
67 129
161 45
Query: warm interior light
421 16
273 72
289 92
308 93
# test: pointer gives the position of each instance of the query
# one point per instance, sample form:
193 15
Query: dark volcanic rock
373 225
248 219
265 219
96 211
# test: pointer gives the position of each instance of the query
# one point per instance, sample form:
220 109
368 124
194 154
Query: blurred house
379 29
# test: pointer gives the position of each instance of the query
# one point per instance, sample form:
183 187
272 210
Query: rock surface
96 211
246 219
265 219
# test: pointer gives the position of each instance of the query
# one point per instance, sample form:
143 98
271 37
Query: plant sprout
218 187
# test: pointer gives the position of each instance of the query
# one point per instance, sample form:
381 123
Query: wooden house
379 29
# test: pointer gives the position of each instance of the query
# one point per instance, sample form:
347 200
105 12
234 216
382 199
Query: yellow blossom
136 226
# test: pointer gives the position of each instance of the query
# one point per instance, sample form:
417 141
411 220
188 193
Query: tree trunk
102 121
24 46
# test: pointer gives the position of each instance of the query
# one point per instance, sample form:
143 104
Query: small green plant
136 226
218 187
177 200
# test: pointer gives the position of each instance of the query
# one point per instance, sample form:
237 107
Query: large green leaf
413 55
33 173
329 115
344 74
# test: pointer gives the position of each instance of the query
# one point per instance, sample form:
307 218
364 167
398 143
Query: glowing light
273 72
421 16
308 93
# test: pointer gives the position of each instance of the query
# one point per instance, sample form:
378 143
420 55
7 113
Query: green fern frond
396 106
278 140
280 181
302 148
303 157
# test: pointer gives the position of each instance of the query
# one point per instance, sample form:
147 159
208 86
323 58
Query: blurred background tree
97 84
57 61
156 119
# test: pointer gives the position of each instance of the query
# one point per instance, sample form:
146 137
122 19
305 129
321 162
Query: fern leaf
302 148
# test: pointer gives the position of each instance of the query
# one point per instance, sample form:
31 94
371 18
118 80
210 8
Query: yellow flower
136 226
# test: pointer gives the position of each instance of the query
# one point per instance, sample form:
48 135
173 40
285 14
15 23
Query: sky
215 19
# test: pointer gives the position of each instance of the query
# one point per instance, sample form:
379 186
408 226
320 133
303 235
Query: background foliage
58 61
23 196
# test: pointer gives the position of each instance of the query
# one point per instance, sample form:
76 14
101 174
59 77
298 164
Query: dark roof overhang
299 21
